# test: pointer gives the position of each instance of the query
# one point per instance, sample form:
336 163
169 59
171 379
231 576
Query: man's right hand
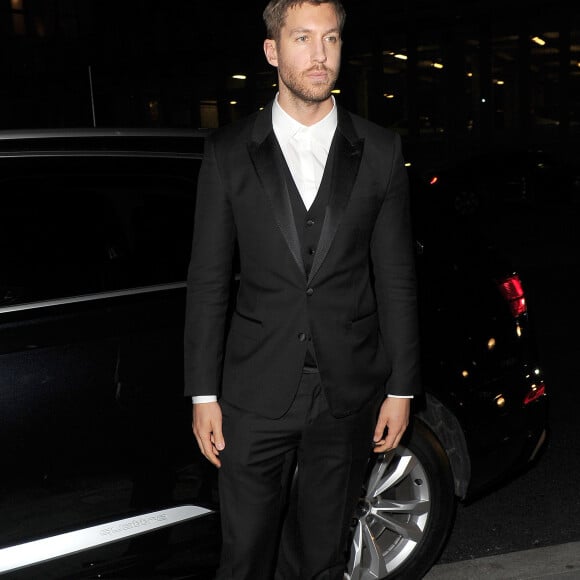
207 428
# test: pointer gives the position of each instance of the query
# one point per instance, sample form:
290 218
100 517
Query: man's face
307 54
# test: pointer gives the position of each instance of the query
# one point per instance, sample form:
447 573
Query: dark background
67 63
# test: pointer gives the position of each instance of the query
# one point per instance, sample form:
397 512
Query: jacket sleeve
393 259
209 280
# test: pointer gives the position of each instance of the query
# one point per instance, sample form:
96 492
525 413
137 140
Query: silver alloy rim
390 519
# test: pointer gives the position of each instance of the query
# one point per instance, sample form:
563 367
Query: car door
95 428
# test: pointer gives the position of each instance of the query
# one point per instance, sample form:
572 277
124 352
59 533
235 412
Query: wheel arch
447 429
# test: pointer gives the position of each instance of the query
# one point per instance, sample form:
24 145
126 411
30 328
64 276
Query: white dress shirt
305 149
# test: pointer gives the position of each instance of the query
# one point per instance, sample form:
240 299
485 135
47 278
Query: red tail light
512 290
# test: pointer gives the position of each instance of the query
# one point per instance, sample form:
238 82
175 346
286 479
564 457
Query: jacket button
301 336
310 223
309 292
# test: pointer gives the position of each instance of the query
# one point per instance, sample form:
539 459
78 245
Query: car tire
406 511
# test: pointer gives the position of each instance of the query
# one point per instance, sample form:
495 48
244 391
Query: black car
101 476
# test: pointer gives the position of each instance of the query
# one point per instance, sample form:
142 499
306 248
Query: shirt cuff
203 399
212 398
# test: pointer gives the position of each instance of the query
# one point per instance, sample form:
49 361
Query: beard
306 89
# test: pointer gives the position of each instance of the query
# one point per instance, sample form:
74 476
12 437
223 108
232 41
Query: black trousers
259 463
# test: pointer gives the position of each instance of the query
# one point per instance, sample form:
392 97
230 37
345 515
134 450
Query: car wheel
406 511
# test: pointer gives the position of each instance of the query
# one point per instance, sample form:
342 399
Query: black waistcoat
309 222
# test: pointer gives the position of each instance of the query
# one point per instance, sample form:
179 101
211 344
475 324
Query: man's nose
319 51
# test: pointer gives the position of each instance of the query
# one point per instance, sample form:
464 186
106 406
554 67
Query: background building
452 77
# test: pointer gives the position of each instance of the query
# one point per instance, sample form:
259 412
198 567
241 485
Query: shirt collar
286 126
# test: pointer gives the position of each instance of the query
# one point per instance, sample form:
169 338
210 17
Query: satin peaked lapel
346 162
263 154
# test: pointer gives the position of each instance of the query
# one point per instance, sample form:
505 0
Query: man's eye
301 38
331 39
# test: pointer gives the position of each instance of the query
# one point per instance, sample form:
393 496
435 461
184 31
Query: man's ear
271 52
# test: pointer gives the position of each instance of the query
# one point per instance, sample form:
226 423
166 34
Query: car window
76 226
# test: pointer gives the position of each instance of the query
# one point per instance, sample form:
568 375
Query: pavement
553 562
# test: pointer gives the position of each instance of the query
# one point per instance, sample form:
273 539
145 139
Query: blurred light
233 102
433 180
491 344
538 40
336 91
498 82
400 56
40 29
535 392
153 108
240 77
407 164
500 401
388 95
437 65
469 74
465 374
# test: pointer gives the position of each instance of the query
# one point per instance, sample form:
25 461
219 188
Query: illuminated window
209 114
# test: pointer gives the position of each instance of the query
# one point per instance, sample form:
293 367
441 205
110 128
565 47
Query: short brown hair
275 14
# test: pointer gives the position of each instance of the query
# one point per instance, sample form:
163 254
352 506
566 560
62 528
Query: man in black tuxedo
321 357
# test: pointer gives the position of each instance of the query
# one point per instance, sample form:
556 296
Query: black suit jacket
358 303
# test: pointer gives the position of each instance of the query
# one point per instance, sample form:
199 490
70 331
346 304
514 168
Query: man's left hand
391 424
